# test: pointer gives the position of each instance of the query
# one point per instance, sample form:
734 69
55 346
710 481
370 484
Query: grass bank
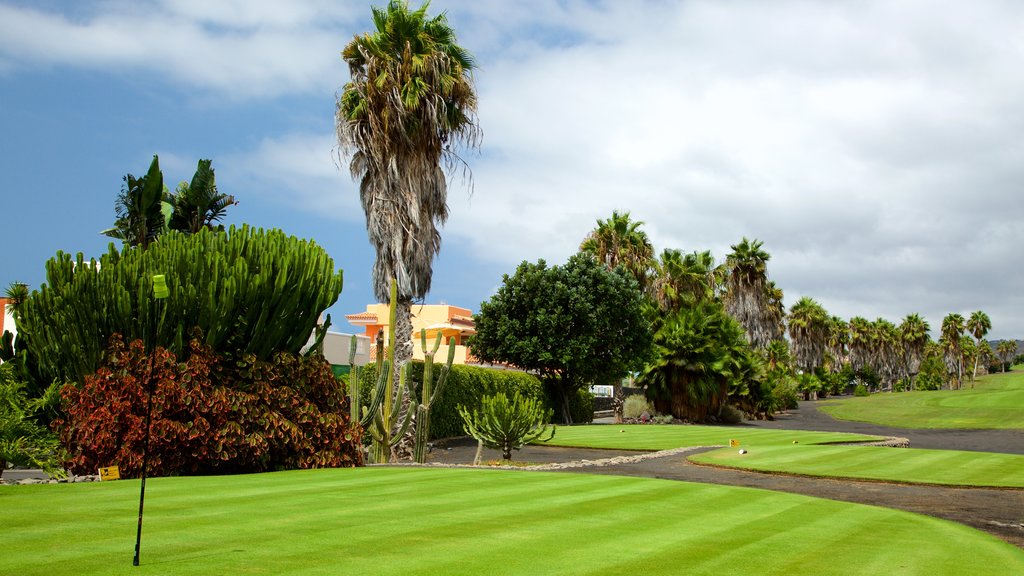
943 467
665 437
996 402
801 452
450 522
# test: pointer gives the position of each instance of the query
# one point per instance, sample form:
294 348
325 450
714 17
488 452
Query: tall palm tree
409 106
684 279
887 353
619 241
978 324
836 343
746 296
1006 350
861 338
808 333
952 330
914 333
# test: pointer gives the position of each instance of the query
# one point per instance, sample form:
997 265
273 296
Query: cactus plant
508 424
382 422
430 392
249 291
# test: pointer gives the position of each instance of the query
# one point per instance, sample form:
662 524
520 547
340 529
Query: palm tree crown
619 241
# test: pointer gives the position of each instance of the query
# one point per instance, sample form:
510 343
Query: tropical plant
914 333
952 329
684 279
747 296
211 413
508 424
836 345
248 291
978 325
809 325
409 106
573 325
619 241
23 441
141 208
1006 350
699 351
198 205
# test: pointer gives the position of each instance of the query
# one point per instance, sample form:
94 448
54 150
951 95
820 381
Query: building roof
362 318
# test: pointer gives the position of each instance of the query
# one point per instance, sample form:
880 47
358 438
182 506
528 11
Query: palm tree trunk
403 355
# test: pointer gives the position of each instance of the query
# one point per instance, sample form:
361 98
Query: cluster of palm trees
820 345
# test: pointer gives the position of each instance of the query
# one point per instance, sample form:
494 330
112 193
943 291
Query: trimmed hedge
467 385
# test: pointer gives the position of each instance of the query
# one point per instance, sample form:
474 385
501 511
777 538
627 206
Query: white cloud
235 49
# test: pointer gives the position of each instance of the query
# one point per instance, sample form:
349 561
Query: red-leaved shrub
210 414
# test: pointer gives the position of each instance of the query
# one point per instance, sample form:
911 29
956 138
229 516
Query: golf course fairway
940 467
424 521
996 402
665 437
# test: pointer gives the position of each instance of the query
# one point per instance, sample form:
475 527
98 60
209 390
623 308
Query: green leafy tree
978 325
409 106
508 424
619 241
573 325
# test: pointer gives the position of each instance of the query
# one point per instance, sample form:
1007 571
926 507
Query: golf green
996 402
943 467
462 521
665 437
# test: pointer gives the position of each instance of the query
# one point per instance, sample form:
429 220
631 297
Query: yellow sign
110 473
734 443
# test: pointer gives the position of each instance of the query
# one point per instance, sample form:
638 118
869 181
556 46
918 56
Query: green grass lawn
800 452
947 467
665 437
997 402
459 521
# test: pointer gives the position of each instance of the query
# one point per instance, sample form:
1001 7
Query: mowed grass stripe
444 521
997 402
945 467
665 437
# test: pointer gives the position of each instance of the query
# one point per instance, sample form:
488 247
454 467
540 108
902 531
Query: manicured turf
448 522
664 437
997 402
800 452
948 467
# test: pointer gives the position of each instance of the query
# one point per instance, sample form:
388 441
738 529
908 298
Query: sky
873 146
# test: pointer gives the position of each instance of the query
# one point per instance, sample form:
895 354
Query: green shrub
730 415
23 441
507 423
860 390
467 385
635 405
210 414
785 395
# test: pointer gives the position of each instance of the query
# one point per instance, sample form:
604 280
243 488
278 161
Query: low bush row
467 385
